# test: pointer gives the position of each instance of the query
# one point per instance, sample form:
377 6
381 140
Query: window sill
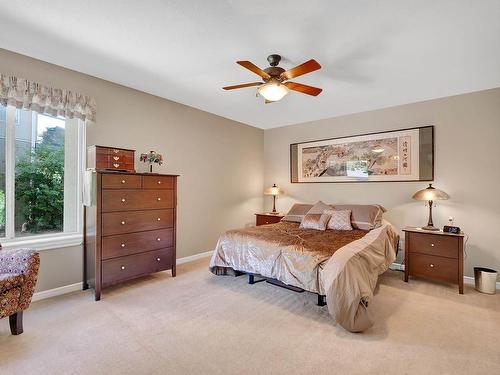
42 242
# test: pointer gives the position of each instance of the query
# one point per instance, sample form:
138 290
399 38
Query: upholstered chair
18 275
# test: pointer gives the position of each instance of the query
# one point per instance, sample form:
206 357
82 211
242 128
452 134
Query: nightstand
435 255
266 218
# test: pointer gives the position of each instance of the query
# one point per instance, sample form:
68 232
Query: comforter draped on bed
344 265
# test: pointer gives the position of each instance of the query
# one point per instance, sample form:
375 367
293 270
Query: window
40 177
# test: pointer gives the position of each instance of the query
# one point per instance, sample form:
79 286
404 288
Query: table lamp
430 194
274 191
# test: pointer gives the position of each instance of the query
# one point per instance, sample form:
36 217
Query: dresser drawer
267 219
434 267
136 221
125 200
441 245
131 266
121 181
158 182
133 243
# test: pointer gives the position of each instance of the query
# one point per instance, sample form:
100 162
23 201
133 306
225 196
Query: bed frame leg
321 300
251 279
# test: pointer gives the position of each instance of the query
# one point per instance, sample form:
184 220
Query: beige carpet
198 323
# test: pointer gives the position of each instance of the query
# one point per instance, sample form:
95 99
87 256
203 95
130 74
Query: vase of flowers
151 158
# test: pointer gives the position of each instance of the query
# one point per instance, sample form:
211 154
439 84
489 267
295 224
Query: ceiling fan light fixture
273 90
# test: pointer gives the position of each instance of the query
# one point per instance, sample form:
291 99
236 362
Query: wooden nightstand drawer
264 219
434 267
434 244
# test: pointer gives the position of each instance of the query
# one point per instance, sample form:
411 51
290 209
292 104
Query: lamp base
431 228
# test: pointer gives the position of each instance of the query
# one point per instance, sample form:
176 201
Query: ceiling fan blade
242 85
307 67
309 90
254 68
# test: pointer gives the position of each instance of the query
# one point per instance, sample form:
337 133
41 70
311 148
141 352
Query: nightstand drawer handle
158 259
123 200
158 199
432 265
122 245
122 267
123 181
432 245
122 223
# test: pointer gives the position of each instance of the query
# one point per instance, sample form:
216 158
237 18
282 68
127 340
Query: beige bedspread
344 265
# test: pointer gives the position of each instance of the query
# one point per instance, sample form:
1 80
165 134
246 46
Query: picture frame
402 155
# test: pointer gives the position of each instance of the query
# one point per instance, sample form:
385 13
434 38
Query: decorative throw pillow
297 212
363 216
339 220
318 208
315 221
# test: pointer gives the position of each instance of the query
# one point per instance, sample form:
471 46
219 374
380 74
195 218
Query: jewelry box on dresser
130 226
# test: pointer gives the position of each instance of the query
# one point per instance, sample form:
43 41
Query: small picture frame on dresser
434 255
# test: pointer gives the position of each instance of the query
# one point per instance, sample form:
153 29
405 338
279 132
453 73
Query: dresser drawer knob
159 219
158 239
158 199
123 223
432 245
122 267
123 181
116 151
432 265
122 245
158 259
123 200
159 182
116 158
116 165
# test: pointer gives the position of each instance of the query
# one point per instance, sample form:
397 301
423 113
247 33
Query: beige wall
220 161
467 152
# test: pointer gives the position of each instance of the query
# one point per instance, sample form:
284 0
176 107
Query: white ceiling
374 53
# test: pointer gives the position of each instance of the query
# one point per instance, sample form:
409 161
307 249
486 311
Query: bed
342 265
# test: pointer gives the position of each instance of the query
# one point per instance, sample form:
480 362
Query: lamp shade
273 90
274 190
430 194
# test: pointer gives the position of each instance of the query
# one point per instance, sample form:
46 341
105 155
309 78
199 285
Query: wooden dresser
266 218
434 255
130 227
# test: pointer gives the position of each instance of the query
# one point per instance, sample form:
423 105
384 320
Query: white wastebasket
485 280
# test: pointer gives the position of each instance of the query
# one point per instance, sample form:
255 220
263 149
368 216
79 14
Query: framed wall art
395 155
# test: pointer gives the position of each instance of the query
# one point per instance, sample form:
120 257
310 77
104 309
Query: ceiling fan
273 86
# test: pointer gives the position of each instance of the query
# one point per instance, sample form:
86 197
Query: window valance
25 94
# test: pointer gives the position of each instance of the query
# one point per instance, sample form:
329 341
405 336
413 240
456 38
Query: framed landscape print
396 155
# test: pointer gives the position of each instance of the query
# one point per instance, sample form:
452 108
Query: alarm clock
451 229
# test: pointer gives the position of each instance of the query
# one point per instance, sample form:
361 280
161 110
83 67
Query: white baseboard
56 291
195 257
78 286
467 279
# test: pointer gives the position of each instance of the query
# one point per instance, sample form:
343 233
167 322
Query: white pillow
339 219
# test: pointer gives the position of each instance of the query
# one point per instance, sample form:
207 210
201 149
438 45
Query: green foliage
40 183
